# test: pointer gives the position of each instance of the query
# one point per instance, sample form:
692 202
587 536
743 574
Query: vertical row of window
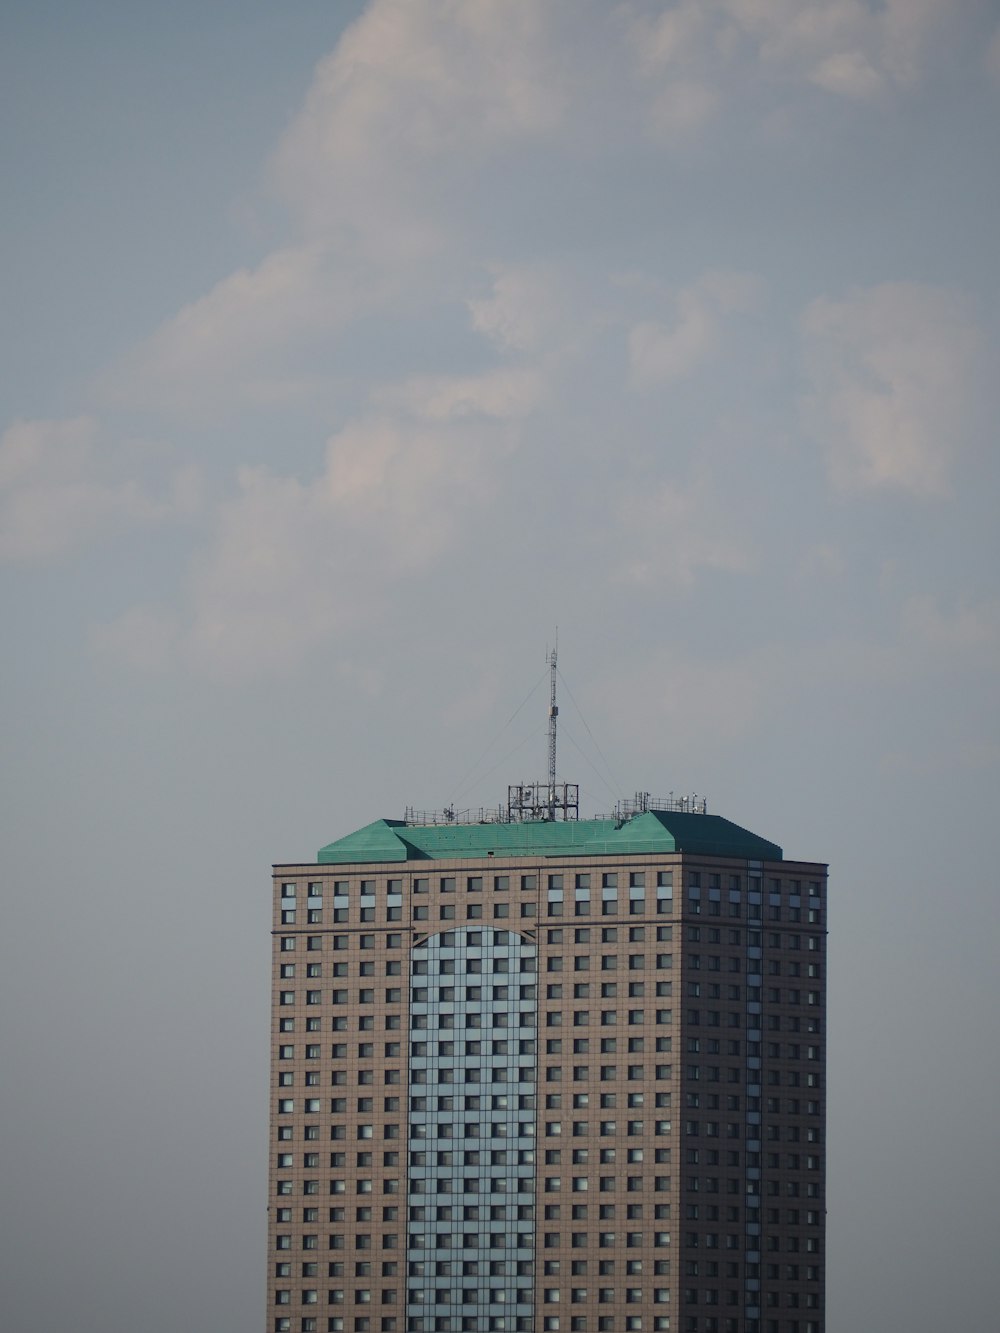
470 1240
362 1172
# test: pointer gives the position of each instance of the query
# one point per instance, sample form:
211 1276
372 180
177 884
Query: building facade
548 1075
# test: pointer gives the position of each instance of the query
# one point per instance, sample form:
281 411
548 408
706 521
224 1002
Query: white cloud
503 394
379 169
669 37
429 116
658 354
853 48
293 563
386 155
60 489
700 54
531 307
662 353
849 73
668 534
391 169
679 64
236 343
893 372
412 83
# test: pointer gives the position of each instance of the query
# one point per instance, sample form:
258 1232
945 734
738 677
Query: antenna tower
553 714
549 801
546 800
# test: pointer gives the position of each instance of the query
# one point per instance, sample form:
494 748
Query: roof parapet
642 803
531 801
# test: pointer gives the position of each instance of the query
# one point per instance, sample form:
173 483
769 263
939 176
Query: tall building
539 1074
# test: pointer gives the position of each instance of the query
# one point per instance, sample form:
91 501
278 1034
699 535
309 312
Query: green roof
657 831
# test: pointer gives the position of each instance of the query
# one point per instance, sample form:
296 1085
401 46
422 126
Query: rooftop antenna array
553 714
552 800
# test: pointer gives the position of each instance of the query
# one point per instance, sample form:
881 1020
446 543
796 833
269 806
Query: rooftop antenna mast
553 714
543 800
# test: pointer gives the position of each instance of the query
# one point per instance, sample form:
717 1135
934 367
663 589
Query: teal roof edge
658 831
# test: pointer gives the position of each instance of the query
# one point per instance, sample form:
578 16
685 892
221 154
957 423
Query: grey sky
347 350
